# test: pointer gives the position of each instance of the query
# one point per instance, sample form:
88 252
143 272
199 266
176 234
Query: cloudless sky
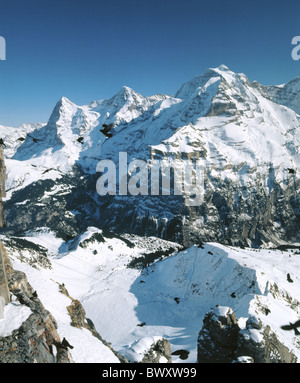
87 50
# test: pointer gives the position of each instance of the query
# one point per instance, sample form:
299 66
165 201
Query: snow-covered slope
168 298
287 94
14 137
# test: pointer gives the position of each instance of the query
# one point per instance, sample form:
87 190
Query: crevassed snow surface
128 305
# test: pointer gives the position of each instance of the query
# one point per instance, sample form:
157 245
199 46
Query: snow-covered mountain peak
211 82
63 112
224 101
124 96
222 70
127 93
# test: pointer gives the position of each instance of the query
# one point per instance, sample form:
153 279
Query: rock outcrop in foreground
221 340
36 340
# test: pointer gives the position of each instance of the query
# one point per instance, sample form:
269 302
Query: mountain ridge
247 142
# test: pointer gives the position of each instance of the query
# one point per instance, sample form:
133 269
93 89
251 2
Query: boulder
263 346
159 352
218 338
149 350
221 340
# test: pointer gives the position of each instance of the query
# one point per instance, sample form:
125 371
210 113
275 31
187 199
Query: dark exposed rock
35 339
52 212
268 350
33 342
38 254
147 259
222 215
218 339
77 314
221 340
254 322
222 212
161 348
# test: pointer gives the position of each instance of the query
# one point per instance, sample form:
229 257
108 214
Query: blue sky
87 50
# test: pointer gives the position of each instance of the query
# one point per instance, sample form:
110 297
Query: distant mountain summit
247 136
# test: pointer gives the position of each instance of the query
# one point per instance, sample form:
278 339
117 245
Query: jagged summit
223 67
61 106
211 80
125 97
221 70
126 93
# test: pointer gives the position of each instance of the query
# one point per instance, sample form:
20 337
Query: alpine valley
149 278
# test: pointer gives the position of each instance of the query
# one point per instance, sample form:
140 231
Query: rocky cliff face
221 340
36 339
160 352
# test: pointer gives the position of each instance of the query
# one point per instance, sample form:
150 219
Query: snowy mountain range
133 261
248 143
